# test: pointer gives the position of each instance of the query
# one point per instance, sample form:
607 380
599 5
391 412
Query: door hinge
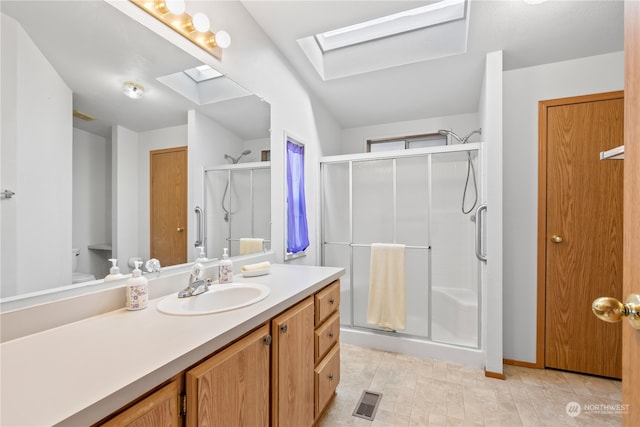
183 404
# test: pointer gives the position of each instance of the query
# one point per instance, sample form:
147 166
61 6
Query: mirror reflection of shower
471 170
234 160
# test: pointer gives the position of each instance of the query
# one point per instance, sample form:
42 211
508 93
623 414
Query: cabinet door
232 387
158 409
293 366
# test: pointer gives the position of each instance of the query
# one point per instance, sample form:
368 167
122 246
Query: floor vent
368 405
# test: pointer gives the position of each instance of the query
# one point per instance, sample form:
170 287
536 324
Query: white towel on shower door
387 301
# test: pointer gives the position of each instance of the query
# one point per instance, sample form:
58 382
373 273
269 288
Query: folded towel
258 266
387 302
250 245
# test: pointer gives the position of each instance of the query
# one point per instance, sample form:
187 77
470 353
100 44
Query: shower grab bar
237 240
479 232
363 245
200 222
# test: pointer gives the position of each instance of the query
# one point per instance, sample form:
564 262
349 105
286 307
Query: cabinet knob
330 376
283 329
330 334
267 340
332 300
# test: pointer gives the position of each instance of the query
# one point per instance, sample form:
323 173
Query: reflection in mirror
238 207
83 182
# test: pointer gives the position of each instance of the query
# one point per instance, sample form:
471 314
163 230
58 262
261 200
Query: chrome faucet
196 285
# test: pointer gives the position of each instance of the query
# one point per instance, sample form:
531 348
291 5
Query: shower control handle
556 239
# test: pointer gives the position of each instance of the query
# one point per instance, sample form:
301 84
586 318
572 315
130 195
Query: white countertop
78 373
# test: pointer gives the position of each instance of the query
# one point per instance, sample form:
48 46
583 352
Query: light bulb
200 22
176 7
222 39
133 90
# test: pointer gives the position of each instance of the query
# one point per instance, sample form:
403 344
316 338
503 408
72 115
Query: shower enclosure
237 205
412 197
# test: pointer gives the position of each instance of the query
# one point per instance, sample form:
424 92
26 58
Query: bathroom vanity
275 362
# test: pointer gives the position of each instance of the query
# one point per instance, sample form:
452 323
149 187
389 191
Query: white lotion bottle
202 257
137 289
225 268
114 271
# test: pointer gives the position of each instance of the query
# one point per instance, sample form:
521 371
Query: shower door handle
480 232
200 223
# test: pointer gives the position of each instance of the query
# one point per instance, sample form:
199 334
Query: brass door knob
180 229
611 310
556 239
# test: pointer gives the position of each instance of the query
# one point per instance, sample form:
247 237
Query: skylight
436 13
202 73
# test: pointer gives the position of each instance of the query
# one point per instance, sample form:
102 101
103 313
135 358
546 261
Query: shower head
236 160
463 140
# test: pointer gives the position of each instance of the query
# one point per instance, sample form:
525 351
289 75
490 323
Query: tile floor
425 392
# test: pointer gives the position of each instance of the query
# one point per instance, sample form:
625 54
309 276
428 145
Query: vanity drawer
327 302
327 378
327 335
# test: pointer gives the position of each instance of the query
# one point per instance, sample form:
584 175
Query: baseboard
494 375
521 363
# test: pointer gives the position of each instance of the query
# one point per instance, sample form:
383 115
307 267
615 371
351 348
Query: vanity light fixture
195 28
133 90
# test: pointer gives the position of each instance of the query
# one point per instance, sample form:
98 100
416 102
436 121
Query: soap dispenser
202 256
137 289
114 271
225 268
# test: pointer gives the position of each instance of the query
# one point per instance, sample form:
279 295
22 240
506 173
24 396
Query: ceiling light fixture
196 29
133 90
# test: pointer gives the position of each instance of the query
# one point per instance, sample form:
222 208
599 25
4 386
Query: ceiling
95 48
106 48
528 35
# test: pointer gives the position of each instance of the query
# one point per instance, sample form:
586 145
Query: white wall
522 90
91 200
491 112
124 202
36 165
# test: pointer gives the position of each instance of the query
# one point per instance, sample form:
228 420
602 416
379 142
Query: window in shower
406 142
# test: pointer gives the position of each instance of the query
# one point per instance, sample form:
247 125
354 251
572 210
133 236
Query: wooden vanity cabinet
292 367
326 346
284 373
160 408
231 388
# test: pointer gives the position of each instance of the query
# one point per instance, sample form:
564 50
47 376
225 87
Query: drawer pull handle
332 300
331 334
283 329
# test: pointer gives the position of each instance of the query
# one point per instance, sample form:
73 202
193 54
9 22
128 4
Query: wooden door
232 387
583 245
292 367
169 205
159 409
631 274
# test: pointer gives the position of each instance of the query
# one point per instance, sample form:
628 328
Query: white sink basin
219 298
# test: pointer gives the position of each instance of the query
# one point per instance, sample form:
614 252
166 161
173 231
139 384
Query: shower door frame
394 155
249 166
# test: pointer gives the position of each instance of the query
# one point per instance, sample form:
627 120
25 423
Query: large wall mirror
83 183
